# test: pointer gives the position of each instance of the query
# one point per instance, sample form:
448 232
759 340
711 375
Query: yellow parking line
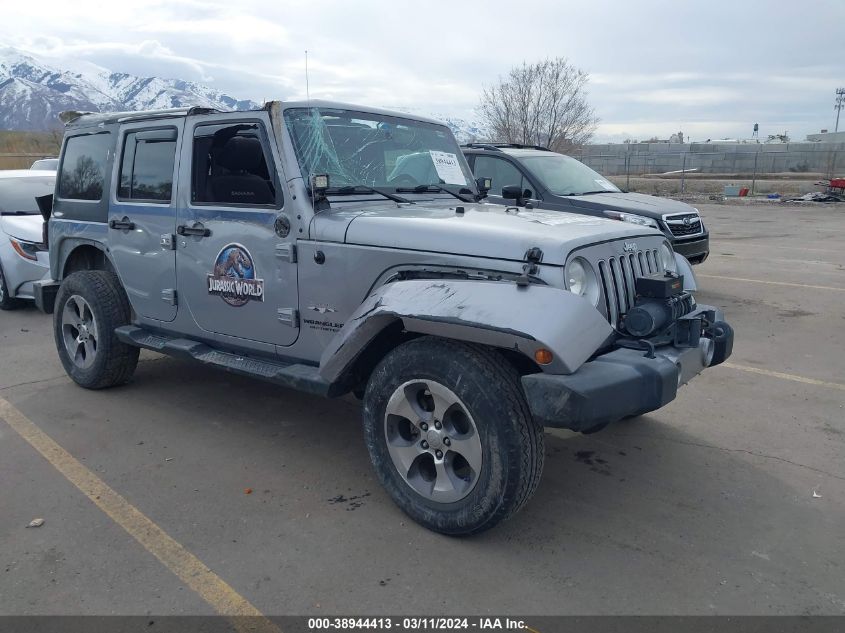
190 570
792 377
774 283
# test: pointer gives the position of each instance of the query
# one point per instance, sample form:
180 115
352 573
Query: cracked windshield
385 153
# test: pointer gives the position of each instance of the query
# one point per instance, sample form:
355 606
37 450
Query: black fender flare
499 314
69 245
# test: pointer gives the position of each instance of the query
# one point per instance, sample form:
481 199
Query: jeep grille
683 224
618 275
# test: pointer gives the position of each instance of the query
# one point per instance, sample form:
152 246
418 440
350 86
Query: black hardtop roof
72 118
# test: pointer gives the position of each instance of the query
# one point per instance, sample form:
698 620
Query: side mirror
512 192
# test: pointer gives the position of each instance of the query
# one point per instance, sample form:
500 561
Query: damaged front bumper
626 382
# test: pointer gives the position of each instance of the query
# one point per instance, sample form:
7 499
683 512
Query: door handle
122 225
197 231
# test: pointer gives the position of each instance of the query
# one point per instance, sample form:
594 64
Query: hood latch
533 256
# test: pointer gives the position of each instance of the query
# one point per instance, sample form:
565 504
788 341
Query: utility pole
840 103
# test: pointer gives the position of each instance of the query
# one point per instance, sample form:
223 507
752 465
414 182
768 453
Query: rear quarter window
84 164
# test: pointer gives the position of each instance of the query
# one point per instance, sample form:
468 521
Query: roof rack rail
490 146
499 146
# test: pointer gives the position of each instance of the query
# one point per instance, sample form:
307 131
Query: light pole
840 103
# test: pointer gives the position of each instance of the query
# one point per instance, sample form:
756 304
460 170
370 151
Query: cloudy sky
711 69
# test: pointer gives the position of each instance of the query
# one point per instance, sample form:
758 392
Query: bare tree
543 103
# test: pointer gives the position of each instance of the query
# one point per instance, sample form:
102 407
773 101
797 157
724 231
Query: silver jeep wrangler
334 249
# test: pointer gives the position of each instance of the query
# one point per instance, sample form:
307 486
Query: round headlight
576 277
667 255
581 279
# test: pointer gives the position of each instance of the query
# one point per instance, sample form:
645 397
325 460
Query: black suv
535 176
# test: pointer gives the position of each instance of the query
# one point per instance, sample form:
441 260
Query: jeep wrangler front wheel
451 436
89 306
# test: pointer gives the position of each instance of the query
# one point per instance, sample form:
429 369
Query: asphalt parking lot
731 500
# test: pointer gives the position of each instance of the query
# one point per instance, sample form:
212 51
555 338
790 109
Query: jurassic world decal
234 279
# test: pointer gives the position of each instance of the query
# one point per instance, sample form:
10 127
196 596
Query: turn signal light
543 356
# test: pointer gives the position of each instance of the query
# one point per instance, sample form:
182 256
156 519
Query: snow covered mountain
466 131
33 92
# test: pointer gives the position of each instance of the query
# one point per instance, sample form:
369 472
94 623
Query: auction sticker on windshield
448 168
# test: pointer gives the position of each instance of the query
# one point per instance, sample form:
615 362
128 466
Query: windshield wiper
589 193
18 212
432 189
350 190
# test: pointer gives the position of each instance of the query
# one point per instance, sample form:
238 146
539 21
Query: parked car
23 254
46 164
334 248
535 176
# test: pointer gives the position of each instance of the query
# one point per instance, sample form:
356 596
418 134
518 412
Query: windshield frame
529 163
397 119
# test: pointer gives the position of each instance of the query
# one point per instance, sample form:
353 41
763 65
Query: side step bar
294 375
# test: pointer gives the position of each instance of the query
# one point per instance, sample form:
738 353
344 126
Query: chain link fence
709 168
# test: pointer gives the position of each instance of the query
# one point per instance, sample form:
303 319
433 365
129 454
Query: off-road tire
511 441
7 302
114 362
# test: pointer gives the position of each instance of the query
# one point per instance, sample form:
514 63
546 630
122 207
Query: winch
661 300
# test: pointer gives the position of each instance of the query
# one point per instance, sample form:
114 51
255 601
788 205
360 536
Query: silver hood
483 230
23 227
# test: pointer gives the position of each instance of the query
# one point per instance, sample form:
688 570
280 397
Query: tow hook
722 336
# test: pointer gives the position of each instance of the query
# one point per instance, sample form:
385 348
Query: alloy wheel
79 332
433 440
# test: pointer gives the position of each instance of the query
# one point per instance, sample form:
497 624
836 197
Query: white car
46 164
23 254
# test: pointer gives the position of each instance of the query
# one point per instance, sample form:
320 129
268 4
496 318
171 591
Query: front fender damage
498 314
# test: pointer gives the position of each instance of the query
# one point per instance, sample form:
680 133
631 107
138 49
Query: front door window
501 171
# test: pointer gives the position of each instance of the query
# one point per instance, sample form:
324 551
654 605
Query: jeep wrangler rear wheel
89 306
450 435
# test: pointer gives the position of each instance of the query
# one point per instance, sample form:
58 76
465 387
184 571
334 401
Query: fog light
543 356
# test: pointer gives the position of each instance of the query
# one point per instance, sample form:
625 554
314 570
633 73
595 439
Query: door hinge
288 316
168 295
168 241
286 252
